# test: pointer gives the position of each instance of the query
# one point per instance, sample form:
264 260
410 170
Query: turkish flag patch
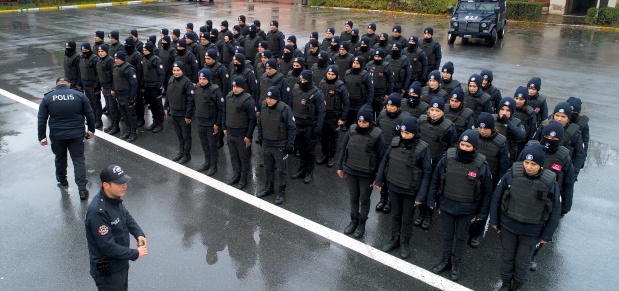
381 74
472 174
331 92
557 167
537 110
103 230
303 101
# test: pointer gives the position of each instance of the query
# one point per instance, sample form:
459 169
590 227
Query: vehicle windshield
482 6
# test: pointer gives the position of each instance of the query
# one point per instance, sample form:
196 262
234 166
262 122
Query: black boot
309 176
420 214
212 170
427 221
405 248
98 124
158 127
133 135
269 188
178 156
141 122
381 203
354 220
126 135
475 241
242 183
387 207
321 160
393 244
281 195
330 162
517 285
443 265
533 265
186 158
300 173
506 285
83 194
233 180
360 228
204 167
114 129
150 127
455 269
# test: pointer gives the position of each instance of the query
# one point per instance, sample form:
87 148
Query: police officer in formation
65 110
209 102
241 69
433 88
475 98
460 116
336 110
418 60
125 90
360 89
154 77
382 78
494 92
401 67
105 68
432 48
71 64
412 103
180 105
448 83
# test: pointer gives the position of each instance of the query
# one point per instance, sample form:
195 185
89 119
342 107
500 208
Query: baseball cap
114 174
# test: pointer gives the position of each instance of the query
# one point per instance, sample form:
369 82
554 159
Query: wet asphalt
201 238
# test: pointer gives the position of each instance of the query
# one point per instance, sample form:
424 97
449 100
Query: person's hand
257 114
385 98
187 120
195 84
142 251
495 226
215 129
340 122
225 132
160 91
226 38
142 241
131 103
165 113
90 135
403 91
43 142
247 142
418 202
543 242
376 186
340 173
431 207
112 93
79 87
504 119
142 90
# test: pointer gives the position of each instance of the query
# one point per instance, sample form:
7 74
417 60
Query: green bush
531 11
605 16
419 6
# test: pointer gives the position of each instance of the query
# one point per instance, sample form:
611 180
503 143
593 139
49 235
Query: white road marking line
335 236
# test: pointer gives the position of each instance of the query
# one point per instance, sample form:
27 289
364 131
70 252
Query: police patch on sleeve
227 76
161 66
222 99
135 77
191 92
104 230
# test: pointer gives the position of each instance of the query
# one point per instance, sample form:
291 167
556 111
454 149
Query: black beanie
485 120
366 113
576 103
448 67
149 47
334 69
239 81
307 75
165 31
477 79
438 103
86 46
565 108
372 26
129 41
189 25
105 47
179 65
120 55
429 30
379 52
554 129
394 99
224 23
242 18
239 57
410 124
314 35
114 34
471 136
266 54
509 102
275 23
535 153
212 53
272 63
293 39
206 73
457 93
487 74
152 39
397 28
273 92
100 34
257 23
522 92
435 75
535 83
345 46
134 32
176 32
182 43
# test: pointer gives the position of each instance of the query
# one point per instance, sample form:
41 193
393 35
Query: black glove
131 102
259 142
504 119
289 150
160 92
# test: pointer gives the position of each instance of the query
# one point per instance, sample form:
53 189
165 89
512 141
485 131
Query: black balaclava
395 54
412 47
70 50
323 59
383 42
358 70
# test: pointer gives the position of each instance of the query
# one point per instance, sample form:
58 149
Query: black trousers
328 139
75 147
139 105
183 133
360 189
128 113
153 99
115 282
516 253
95 101
208 140
112 105
455 227
351 117
306 146
378 104
239 155
276 158
402 212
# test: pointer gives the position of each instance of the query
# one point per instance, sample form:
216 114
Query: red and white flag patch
557 167
472 174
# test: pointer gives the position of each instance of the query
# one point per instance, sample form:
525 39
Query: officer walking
154 77
525 113
88 81
209 110
65 110
125 89
180 104
108 225
276 134
337 105
581 120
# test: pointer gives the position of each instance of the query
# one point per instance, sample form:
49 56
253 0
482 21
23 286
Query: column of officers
458 147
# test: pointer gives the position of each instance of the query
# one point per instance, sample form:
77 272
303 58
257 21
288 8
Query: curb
80 6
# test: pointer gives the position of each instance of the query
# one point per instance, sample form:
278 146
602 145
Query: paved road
204 238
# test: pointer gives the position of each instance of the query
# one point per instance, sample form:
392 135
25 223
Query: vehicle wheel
491 39
451 38
501 33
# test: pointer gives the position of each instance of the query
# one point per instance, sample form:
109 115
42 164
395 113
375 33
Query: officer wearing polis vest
308 107
337 106
209 110
418 59
407 168
343 59
433 88
154 77
448 83
88 81
360 89
247 73
125 90
189 61
65 109
525 208
319 69
115 45
440 134
273 77
239 121
361 153
180 104
250 44
389 121
71 64
166 53
382 78
401 67
298 66
276 134
412 102
462 182
475 98
105 69
455 111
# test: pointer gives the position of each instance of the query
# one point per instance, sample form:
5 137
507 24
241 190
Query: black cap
105 47
273 93
485 120
114 34
114 174
134 32
576 103
535 153
62 79
120 55
448 67
471 136
100 34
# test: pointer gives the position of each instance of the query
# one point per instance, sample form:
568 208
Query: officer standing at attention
273 77
337 105
154 77
525 113
209 110
135 59
180 103
139 45
581 120
432 48
189 61
105 69
401 67
125 90
71 64
412 103
115 45
346 34
239 121
433 88
319 69
371 35
463 184
494 92
88 81
360 89
455 111
219 71
108 225
525 208
276 41
407 168
382 77
65 109
537 100
448 83
240 69
276 134
475 98
418 59
166 54
308 107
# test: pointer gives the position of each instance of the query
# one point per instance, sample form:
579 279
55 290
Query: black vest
527 200
272 122
537 103
460 181
416 64
417 111
105 75
333 98
273 40
427 95
176 95
183 59
266 82
475 103
360 155
114 49
355 86
304 104
164 55
490 149
379 74
428 48
448 87
216 79
311 60
318 73
399 73
402 170
150 69
433 136
120 81
458 118
554 162
343 63
71 71
244 74
570 131
87 72
512 143
206 107
250 47
391 126
236 117
524 115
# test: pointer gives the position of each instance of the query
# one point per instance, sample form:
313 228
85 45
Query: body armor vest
87 72
273 125
266 82
490 149
391 126
428 48
417 111
105 75
176 95
527 199
360 155
355 86
149 69
245 72
460 181
570 131
114 49
554 162
318 73
523 115
403 171
379 74
206 107
537 103
120 81
343 63
71 71
399 73
333 99
475 103
304 105
164 55
433 136
250 47
448 87
216 79
236 117
427 95
416 64
512 143
273 40
459 118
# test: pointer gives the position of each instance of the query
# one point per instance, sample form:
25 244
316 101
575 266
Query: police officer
525 113
460 116
313 56
418 60
105 67
296 52
382 78
581 120
334 49
525 208
259 31
294 75
260 68
239 121
509 126
223 28
337 106
346 34
343 59
163 32
88 81
432 48
401 67
99 39
166 55
475 98
276 40
286 64
176 34
306 48
412 103
180 104
273 77
360 89
205 46
125 90
139 45
250 44
354 41
228 47
448 83
154 77
135 59
244 27
373 38
433 89
537 100
65 109
383 42
440 134
276 134
326 42
108 225
219 72
364 50
463 184
194 47
209 110
396 37
360 155
248 74
308 106
71 64
389 121
406 167
115 45
494 92
319 69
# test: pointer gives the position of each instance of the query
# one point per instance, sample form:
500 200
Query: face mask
181 52
466 156
383 42
252 34
412 46
297 71
239 67
335 47
165 45
551 145
361 130
356 70
378 62
305 86
129 49
408 143
364 48
396 54
288 56
69 51
322 63
87 54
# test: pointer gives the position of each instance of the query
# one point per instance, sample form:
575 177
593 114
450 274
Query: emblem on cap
435 105
482 125
473 79
432 77
506 103
552 133
376 52
361 118
485 76
532 85
411 90
117 170
530 157
389 102
233 83
465 138
403 127
394 45
269 93
175 64
520 95
445 70
562 110
330 69
454 96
